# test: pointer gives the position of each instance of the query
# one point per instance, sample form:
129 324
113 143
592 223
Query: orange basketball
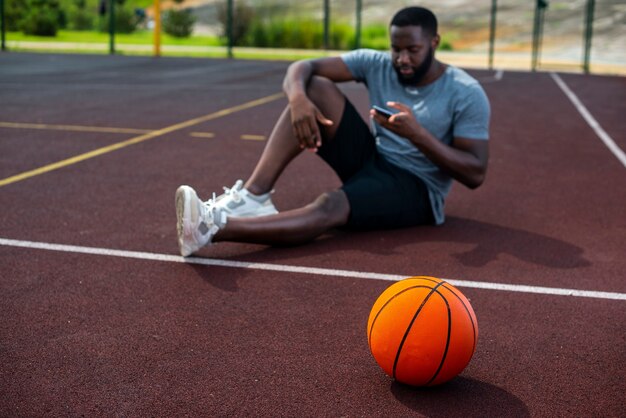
422 331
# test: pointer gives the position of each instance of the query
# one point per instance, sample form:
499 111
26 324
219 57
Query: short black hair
416 16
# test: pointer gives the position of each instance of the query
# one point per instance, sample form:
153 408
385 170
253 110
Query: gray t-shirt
454 105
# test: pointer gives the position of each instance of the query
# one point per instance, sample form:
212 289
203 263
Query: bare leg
282 146
290 227
296 226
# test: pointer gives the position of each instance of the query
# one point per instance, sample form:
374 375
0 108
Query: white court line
608 141
496 77
304 270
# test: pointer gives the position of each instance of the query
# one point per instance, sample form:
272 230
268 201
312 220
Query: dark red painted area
93 335
602 97
28 149
140 337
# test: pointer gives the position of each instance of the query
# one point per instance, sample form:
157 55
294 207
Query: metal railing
540 9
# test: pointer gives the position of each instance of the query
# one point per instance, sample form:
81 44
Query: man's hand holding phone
402 123
382 112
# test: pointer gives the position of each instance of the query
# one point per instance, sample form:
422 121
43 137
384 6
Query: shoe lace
232 192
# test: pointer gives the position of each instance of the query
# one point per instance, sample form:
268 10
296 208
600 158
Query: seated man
396 176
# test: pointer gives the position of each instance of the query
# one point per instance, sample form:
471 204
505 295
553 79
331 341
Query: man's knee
321 90
329 100
333 207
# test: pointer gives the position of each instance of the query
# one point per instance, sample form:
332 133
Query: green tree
179 23
243 16
14 13
126 20
79 16
42 18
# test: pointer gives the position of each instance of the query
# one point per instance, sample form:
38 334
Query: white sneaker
197 222
239 202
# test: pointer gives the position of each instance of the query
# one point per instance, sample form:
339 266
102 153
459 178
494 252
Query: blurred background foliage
255 23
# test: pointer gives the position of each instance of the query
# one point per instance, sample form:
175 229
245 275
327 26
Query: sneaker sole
183 217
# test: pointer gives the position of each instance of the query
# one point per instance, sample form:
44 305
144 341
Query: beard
418 72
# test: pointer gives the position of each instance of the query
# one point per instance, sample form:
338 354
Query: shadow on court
460 397
488 241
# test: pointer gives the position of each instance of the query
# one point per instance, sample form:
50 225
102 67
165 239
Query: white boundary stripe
304 270
608 141
499 74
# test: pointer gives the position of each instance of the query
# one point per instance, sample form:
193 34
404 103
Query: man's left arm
465 159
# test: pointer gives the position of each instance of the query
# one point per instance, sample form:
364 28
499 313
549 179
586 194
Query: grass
211 54
201 46
137 38
374 38
206 52
215 45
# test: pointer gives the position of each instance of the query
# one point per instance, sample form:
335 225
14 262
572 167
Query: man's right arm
304 113
300 72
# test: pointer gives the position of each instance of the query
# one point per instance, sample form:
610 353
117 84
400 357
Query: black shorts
381 195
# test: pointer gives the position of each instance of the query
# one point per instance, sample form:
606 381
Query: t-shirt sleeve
360 61
471 118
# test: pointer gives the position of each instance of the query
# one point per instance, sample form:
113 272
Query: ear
435 41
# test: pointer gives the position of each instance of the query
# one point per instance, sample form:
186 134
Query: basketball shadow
461 397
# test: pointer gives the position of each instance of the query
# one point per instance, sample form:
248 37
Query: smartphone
384 112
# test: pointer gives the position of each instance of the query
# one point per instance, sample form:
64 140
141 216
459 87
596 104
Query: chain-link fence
535 34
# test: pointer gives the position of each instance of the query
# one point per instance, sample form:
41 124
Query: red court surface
101 317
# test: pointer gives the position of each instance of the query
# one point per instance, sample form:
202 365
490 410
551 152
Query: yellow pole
157 28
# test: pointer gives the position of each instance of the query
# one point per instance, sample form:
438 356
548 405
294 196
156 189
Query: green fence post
326 24
111 26
492 31
229 27
588 35
357 38
533 64
3 28
540 7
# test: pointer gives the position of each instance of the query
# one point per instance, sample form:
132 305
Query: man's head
414 38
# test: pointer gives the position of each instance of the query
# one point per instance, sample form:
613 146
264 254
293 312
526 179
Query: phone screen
384 112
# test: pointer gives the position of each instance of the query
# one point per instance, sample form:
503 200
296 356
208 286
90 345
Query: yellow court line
138 139
253 137
76 128
203 134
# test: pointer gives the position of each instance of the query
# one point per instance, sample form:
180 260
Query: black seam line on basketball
408 329
369 337
445 351
469 315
